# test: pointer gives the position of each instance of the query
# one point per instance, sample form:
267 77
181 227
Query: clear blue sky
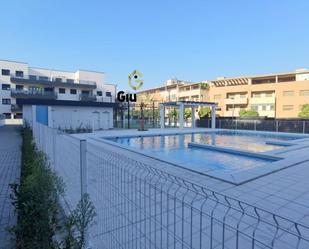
191 40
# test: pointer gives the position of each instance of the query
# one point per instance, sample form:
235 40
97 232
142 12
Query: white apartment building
71 99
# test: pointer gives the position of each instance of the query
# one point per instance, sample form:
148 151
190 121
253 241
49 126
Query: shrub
248 113
304 113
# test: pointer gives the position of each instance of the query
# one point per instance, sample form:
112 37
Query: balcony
16 108
232 113
22 94
87 97
236 101
52 82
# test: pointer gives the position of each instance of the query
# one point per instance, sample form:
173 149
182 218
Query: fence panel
140 206
63 153
295 126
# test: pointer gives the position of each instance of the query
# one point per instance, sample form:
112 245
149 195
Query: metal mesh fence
141 206
63 153
294 126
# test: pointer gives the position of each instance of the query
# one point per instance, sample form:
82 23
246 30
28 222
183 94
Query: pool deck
284 192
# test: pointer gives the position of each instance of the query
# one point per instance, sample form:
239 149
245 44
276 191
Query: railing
142 206
87 97
15 108
295 126
33 94
50 80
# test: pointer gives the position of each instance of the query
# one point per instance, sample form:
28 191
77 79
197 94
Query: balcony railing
87 97
239 100
52 81
33 94
15 108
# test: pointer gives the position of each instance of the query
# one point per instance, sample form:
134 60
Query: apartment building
279 95
174 90
72 98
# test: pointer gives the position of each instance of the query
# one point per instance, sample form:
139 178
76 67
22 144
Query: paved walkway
10 156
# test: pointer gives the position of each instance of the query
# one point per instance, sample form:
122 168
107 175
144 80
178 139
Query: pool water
175 148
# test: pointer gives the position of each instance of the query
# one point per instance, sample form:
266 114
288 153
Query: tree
204 86
204 112
243 113
304 113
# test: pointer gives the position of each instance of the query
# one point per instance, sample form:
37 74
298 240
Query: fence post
84 179
54 134
277 125
220 125
255 125
236 124
304 126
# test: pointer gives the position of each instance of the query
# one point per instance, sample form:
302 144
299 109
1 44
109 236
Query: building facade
175 90
82 96
280 95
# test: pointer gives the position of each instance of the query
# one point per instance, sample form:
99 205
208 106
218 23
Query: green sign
135 80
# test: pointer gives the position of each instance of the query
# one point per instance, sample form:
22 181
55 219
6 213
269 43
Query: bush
36 202
248 113
35 199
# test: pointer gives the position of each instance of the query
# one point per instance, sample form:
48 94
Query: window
108 94
256 95
272 107
19 73
43 78
70 81
5 72
73 91
19 87
288 93
85 92
6 86
255 107
18 116
7 115
217 96
99 93
58 80
263 107
61 90
287 107
32 77
304 93
268 95
6 101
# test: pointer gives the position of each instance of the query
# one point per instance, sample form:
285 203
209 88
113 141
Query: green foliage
35 199
78 222
187 113
173 114
243 113
204 112
304 113
204 86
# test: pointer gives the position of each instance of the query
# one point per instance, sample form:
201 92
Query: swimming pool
174 148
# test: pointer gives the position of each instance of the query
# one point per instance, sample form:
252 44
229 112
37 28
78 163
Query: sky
189 40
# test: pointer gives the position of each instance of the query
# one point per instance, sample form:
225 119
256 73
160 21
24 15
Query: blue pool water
175 148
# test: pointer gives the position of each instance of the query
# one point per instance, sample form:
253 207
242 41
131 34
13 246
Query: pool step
235 151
